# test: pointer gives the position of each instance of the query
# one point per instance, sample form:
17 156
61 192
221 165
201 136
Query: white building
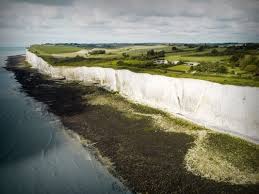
161 61
175 62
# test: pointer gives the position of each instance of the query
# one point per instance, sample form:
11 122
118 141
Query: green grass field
180 68
187 58
51 49
65 55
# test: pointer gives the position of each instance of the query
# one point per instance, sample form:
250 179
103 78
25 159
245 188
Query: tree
214 52
174 48
161 53
151 53
234 59
200 48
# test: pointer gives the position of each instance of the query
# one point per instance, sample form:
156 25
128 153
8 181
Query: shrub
96 52
236 64
160 53
148 64
125 55
234 58
201 48
257 73
152 54
248 60
210 67
214 52
121 63
174 48
180 62
221 69
251 68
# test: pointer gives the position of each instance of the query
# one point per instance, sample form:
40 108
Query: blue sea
36 153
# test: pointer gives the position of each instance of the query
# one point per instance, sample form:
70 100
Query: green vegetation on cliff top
224 63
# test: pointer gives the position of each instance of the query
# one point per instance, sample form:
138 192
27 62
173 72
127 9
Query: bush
210 67
251 68
96 52
214 52
148 64
121 63
125 55
152 54
248 60
201 48
221 69
174 48
161 54
234 59
236 65
180 63
257 73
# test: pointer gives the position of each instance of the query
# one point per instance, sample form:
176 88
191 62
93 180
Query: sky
25 22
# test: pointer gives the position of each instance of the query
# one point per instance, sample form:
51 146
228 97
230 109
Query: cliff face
226 108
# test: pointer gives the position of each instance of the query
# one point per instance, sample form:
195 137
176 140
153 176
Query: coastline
44 159
148 159
192 100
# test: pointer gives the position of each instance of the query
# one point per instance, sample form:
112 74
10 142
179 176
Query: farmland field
222 64
51 49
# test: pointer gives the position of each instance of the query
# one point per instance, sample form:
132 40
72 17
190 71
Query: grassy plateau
225 64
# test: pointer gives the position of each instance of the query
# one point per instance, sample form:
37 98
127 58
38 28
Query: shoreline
105 161
150 160
193 100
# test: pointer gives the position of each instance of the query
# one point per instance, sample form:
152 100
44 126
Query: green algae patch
224 158
240 153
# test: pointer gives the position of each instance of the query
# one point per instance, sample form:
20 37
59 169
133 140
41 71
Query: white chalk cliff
228 108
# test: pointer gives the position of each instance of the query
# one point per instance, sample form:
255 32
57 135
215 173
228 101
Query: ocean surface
36 153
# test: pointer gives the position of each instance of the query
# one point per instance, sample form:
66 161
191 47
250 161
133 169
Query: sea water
36 153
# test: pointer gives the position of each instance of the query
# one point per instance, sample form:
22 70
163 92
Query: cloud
31 21
48 2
